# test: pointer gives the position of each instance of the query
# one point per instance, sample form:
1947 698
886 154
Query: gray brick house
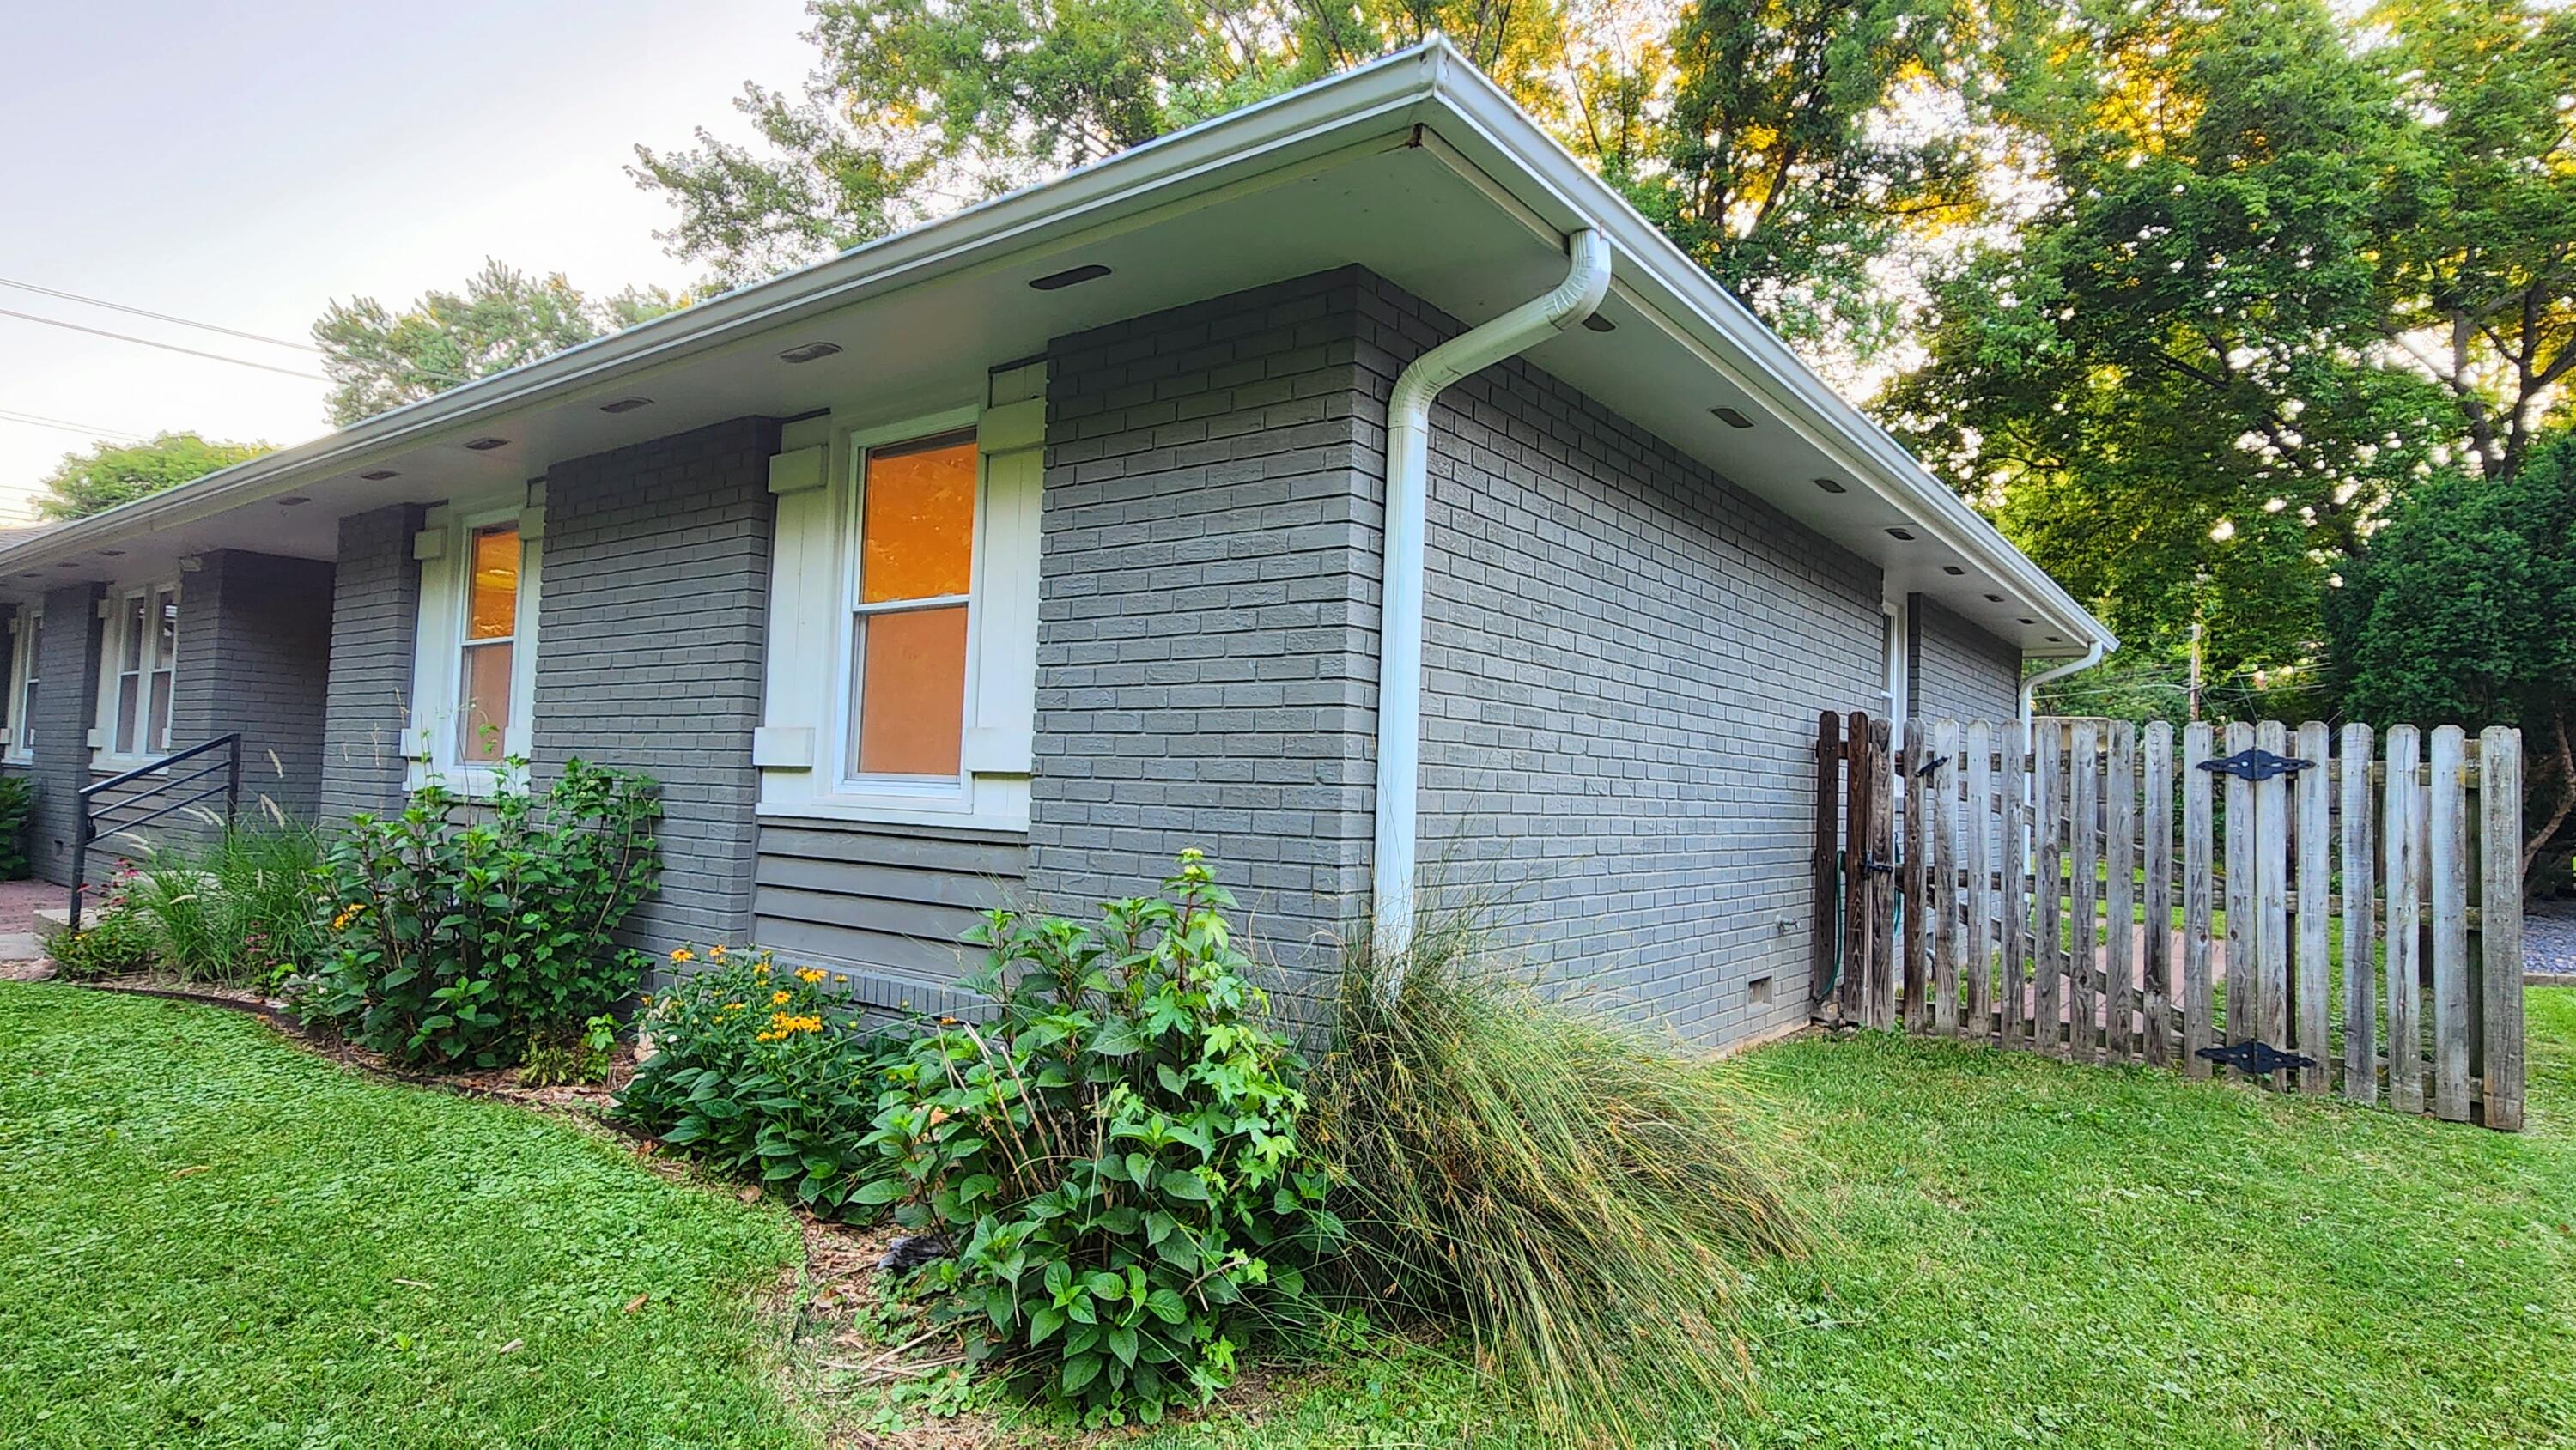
1351 486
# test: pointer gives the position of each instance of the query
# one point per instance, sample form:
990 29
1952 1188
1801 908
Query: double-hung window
143 653
488 652
476 646
911 611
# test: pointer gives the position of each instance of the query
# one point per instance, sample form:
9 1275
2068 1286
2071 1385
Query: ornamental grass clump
1576 1195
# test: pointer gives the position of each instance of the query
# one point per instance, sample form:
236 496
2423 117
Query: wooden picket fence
2349 901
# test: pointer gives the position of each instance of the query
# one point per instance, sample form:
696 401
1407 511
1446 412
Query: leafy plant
767 1074
17 809
1575 1194
588 1058
117 943
1116 1157
464 941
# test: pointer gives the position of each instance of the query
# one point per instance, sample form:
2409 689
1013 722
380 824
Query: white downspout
2030 687
1408 457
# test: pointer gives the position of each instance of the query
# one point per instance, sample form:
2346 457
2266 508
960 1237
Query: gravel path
2549 940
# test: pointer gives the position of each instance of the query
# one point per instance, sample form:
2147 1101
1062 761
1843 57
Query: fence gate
2321 910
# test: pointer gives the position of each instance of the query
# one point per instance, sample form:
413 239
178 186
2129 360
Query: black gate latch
2255 765
2259 1058
1871 865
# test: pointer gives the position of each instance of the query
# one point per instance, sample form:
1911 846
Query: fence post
2015 1022
2272 893
2500 799
2119 936
1882 889
2199 1005
1916 949
2157 818
2244 970
1824 953
2446 847
1939 791
1981 818
2360 970
2049 958
2315 824
2084 834
2402 831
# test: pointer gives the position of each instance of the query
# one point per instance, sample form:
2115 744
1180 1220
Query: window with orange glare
916 564
491 639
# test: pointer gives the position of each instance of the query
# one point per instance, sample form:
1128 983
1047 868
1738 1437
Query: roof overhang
1415 166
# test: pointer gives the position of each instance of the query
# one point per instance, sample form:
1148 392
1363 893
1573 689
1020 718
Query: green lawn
2026 1252
2020 1252
211 1238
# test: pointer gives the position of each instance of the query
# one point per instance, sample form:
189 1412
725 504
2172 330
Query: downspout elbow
1408 455
2030 687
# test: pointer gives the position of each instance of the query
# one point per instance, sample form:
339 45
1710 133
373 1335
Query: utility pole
2195 669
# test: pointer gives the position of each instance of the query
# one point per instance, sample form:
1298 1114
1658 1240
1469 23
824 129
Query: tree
1786 162
1765 139
2476 235
113 473
378 358
923 106
2173 387
2461 615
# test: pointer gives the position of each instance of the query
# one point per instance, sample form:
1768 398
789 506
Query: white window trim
24 621
104 756
807 745
1898 613
438 663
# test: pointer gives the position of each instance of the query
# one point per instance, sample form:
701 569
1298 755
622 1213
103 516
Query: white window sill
880 813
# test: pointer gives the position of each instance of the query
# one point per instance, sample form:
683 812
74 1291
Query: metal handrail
90 819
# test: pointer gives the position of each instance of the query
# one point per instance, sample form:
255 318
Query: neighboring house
1006 557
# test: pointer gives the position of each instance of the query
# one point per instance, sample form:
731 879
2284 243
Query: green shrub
1576 1195
17 810
1116 1158
240 908
464 933
115 940
766 1074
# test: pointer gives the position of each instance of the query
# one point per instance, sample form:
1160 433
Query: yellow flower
715 954
733 1006
683 954
779 999
809 976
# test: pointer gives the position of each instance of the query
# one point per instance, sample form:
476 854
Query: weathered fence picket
2032 901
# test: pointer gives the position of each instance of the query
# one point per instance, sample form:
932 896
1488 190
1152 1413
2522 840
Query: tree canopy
1768 140
109 474
378 358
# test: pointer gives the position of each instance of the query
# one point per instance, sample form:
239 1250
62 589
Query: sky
246 165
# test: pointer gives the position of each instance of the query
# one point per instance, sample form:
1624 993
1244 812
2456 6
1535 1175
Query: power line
239 362
160 316
8 415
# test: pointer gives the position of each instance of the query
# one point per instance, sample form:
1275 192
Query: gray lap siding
1625 657
885 904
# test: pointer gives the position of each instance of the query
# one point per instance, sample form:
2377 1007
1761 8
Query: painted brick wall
1625 658
66 706
255 656
1207 650
1960 672
651 617
375 610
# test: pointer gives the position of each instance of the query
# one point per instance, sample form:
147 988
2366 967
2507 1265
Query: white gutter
1408 460
2030 688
